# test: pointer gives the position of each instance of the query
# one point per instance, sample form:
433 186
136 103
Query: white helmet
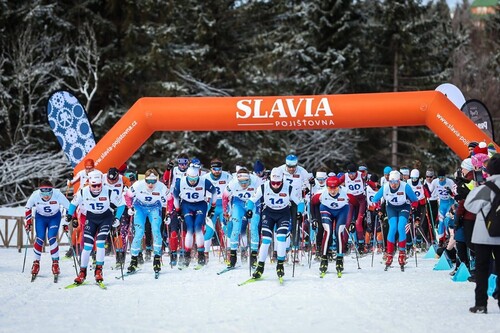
414 173
276 175
192 173
394 175
95 177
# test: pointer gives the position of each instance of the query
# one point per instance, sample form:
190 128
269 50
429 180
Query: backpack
492 220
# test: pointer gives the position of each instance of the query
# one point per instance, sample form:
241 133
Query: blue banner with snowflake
69 122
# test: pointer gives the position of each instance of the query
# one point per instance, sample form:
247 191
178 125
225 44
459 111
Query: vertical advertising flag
479 114
70 124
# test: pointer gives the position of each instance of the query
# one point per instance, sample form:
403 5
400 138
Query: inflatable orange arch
149 114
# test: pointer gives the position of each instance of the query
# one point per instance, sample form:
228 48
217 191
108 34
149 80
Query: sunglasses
182 161
429 177
46 190
414 178
320 179
291 166
393 181
352 172
95 185
216 168
276 183
150 181
244 181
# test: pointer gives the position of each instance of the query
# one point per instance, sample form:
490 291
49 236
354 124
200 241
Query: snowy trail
365 300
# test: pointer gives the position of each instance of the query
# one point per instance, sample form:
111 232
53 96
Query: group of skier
328 214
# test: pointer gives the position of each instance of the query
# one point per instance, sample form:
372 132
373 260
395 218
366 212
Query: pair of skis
252 280
100 284
33 277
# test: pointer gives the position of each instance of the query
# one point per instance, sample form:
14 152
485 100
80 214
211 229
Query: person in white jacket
479 202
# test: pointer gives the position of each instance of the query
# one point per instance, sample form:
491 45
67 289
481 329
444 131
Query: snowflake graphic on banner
69 122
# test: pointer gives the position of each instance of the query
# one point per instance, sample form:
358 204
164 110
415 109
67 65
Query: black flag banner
479 114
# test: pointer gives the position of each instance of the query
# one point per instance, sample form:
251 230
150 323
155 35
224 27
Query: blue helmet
291 160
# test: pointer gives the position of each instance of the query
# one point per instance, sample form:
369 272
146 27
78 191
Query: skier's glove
314 224
170 165
352 227
299 217
312 181
249 214
28 225
74 222
211 211
116 223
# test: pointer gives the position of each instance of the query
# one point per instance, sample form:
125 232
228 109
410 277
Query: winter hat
481 148
394 175
276 175
321 175
405 171
374 178
441 173
491 149
493 166
414 173
473 144
478 160
429 173
351 167
113 174
387 170
467 164
258 166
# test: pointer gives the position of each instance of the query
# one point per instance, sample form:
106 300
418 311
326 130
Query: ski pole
296 245
74 254
26 249
374 237
355 247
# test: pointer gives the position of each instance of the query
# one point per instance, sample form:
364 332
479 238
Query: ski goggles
276 184
217 168
393 181
182 161
46 190
151 181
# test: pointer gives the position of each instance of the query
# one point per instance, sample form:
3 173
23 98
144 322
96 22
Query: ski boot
81 276
70 252
140 259
207 256
323 266
173 258
55 267
232 259
388 261
259 270
133 265
280 270
148 256
402 259
478 309
98 273
339 265
361 249
157 263
201 258
253 259
35 269
187 258
120 259
244 255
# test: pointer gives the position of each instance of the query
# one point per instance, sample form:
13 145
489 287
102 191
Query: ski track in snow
366 300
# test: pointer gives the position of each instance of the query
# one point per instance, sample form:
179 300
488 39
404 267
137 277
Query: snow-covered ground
363 300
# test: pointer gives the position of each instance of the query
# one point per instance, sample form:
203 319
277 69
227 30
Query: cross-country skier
357 202
146 198
297 177
191 193
220 180
442 186
396 194
238 191
334 208
96 199
118 183
47 202
277 196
